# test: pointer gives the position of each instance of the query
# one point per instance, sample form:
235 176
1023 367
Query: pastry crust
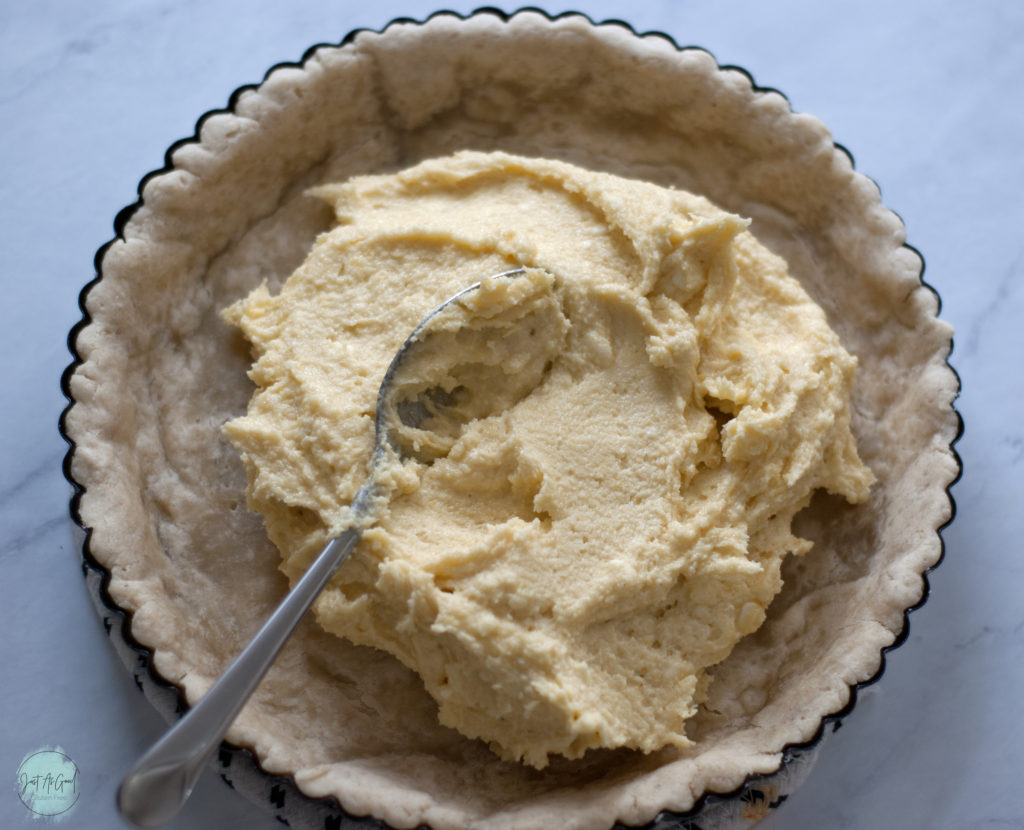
160 374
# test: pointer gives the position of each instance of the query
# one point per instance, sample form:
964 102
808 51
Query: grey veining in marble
926 95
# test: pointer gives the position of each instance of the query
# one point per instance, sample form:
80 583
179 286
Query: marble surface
927 97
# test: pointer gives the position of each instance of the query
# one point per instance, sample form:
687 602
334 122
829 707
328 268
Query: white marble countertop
926 96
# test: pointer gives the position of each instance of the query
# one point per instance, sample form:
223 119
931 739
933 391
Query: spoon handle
155 790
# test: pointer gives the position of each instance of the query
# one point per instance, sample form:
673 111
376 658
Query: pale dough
161 491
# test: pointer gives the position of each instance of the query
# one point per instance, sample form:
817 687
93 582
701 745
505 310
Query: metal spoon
156 789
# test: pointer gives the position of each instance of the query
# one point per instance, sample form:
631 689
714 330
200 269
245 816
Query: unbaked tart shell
184 574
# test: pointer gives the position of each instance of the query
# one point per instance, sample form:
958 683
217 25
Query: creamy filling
589 520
